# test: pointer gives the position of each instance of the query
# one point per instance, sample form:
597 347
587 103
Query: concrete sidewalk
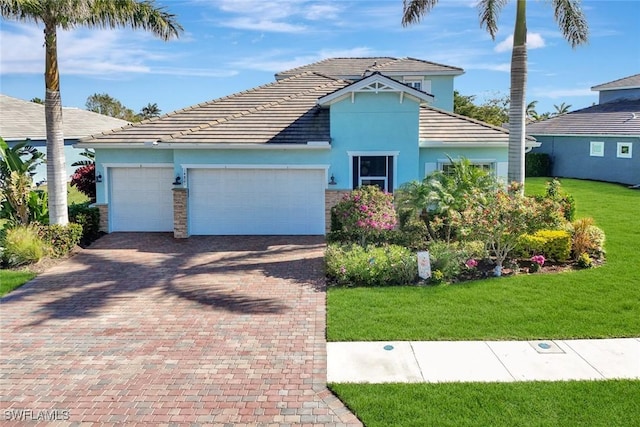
483 361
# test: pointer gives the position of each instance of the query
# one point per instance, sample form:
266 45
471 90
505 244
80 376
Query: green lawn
11 279
596 303
575 403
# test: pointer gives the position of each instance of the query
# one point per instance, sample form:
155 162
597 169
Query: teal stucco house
274 159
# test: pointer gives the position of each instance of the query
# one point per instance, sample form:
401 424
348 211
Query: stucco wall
570 158
374 123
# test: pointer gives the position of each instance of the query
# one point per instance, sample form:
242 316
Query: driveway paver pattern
144 329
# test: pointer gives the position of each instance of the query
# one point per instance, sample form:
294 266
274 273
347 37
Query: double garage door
256 201
222 201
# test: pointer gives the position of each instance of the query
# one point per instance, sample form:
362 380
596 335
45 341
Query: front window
624 150
373 170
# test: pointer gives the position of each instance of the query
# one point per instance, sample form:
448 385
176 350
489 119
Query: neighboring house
276 158
601 142
24 120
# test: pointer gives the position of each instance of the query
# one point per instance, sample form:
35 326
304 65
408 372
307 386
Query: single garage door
256 201
141 199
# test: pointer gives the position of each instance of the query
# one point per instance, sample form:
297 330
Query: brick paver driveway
142 328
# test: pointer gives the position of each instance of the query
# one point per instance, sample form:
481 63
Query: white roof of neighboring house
20 119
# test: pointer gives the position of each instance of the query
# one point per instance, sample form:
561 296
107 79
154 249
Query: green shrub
23 245
557 244
89 218
586 238
62 239
537 164
529 245
450 258
372 266
553 244
585 261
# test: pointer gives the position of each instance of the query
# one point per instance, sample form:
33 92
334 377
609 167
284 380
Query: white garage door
141 199
256 201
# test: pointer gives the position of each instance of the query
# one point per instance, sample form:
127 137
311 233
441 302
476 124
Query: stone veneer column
180 213
331 198
104 216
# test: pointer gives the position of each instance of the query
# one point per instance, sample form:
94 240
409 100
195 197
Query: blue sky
234 45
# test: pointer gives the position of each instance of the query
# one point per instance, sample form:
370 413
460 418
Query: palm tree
65 15
573 26
561 109
531 112
150 110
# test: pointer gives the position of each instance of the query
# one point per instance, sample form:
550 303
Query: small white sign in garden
424 265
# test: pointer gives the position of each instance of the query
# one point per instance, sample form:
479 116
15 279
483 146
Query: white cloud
103 53
277 60
246 23
534 41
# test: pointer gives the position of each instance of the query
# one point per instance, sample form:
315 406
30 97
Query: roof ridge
614 81
433 63
259 107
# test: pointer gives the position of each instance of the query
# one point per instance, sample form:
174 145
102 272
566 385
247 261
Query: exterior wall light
99 177
333 181
178 180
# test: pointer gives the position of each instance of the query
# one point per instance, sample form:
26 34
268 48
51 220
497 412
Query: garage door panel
141 199
263 201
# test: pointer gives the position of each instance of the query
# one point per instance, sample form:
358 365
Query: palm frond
489 10
137 14
571 20
414 10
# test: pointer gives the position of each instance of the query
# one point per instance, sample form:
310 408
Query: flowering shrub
84 179
499 218
373 266
363 213
537 261
471 263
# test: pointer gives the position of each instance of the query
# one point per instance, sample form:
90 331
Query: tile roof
280 112
20 119
623 83
439 126
284 111
352 68
611 118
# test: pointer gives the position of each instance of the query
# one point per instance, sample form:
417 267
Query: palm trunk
518 108
56 167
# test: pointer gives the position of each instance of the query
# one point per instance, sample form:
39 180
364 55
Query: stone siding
104 216
331 198
180 219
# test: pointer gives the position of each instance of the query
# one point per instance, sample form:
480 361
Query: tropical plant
23 245
561 109
442 195
90 155
84 179
573 26
18 202
149 111
65 15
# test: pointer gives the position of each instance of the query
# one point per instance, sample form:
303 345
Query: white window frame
621 146
492 163
596 149
393 154
425 85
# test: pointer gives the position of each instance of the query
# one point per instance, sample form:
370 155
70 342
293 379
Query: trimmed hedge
553 244
537 164
89 218
62 239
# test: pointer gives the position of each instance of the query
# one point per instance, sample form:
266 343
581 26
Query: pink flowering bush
364 213
537 261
